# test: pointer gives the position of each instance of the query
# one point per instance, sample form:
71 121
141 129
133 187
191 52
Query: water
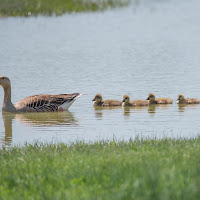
151 46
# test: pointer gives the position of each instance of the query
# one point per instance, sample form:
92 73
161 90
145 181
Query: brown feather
152 100
111 103
44 103
98 101
126 102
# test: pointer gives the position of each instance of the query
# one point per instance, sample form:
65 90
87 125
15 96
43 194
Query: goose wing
45 103
112 103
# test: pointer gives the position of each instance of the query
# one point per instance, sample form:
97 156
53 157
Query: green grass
141 169
57 7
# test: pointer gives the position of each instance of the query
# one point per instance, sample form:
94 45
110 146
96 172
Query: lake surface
151 46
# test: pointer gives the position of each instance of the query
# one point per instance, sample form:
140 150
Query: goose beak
123 100
147 98
93 99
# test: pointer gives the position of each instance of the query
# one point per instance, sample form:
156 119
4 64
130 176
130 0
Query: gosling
126 102
182 100
98 101
152 100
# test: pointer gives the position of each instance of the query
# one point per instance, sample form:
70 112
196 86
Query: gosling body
182 100
127 103
98 101
152 100
36 103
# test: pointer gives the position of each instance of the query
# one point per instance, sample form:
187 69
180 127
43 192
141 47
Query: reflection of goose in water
183 107
47 119
129 109
152 108
99 110
36 120
7 119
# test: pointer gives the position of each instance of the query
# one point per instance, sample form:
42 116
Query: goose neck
7 95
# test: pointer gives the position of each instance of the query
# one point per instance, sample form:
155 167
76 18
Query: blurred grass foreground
141 169
55 7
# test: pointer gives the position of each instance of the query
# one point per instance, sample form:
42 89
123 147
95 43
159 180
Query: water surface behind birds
151 46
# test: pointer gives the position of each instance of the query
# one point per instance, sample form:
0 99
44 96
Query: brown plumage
36 103
182 100
126 102
98 101
152 100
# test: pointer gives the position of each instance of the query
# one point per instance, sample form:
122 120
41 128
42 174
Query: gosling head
4 81
98 98
126 99
151 97
181 97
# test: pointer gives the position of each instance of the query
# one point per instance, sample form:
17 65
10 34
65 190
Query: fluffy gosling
126 102
152 100
98 101
182 100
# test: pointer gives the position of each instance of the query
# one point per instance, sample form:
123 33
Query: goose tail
67 104
77 96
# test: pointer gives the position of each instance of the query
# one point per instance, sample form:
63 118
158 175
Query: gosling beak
93 99
123 100
147 98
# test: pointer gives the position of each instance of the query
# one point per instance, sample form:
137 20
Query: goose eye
2 78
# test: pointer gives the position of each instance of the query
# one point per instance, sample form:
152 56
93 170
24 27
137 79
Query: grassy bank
57 7
149 169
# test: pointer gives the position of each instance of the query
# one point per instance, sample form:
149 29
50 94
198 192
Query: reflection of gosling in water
152 100
126 102
98 101
182 100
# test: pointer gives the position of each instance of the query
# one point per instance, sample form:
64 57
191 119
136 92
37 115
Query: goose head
4 81
98 98
126 99
151 97
181 97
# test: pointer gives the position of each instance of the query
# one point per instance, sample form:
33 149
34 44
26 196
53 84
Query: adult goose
126 102
182 100
152 100
98 101
36 103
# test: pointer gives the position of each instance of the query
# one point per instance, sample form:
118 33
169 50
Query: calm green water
152 46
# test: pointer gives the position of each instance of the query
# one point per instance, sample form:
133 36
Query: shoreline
25 8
